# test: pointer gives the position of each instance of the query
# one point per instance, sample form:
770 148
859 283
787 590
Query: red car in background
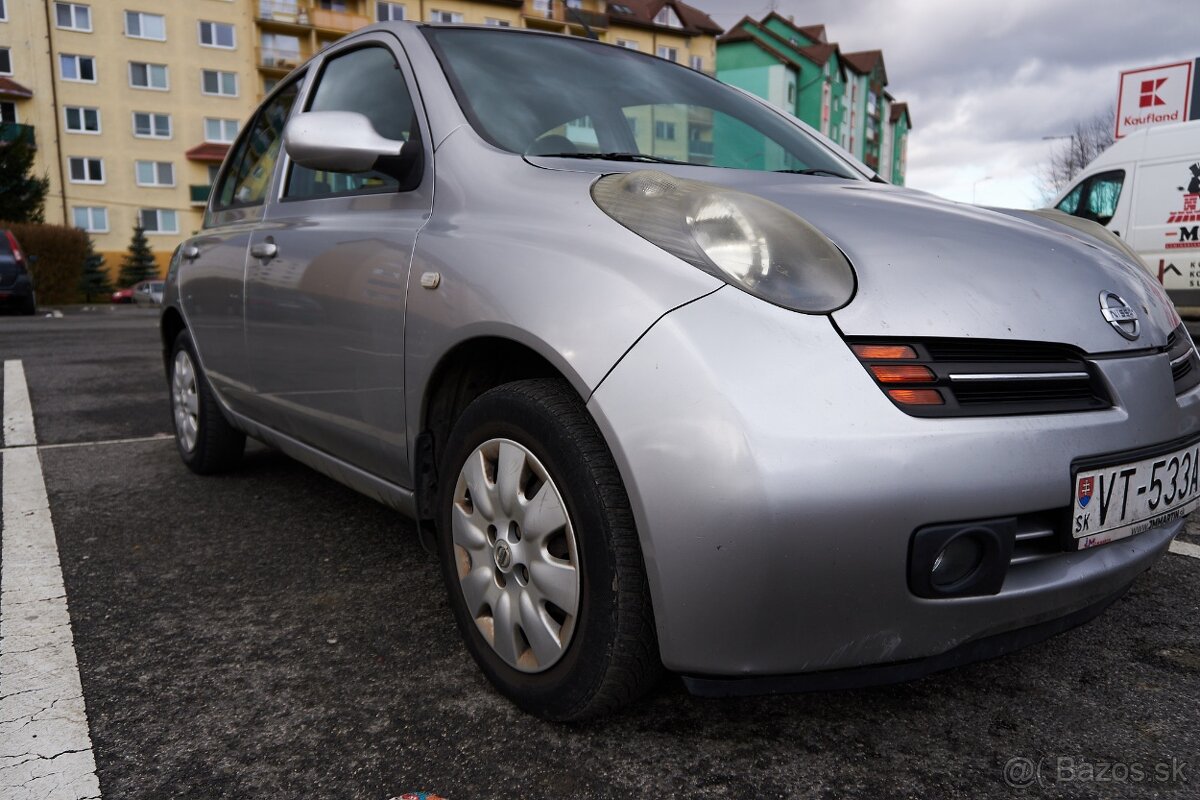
123 295
16 284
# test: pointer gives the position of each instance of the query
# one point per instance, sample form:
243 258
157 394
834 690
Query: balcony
199 193
339 21
700 148
11 131
558 17
278 62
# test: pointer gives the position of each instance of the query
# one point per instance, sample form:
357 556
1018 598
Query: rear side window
248 175
367 81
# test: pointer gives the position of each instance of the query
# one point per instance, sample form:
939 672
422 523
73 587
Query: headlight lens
752 243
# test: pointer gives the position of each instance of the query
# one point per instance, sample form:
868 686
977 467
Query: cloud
985 82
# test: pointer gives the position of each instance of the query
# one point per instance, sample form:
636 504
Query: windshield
555 95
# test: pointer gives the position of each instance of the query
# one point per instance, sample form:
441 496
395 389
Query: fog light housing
961 560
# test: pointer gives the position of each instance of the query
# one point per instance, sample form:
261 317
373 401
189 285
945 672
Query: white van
1146 189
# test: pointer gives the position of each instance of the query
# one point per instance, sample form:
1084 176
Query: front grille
992 378
1185 370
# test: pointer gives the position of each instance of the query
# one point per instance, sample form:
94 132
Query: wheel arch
170 326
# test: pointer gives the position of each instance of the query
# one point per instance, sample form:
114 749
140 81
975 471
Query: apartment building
843 95
133 104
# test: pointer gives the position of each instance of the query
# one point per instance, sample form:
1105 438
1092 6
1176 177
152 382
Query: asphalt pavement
271 634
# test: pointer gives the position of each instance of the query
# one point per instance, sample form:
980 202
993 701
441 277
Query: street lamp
975 185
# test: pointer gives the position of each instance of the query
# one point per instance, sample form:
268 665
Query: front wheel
206 441
541 557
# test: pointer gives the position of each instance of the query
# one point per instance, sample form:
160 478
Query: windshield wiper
813 171
616 157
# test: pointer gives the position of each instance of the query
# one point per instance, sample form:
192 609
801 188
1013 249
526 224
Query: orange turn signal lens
902 373
916 397
883 352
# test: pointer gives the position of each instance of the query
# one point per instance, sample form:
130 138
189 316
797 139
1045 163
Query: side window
369 82
1070 203
246 180
1104 190
1095 197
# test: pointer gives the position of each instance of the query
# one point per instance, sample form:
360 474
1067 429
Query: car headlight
749 242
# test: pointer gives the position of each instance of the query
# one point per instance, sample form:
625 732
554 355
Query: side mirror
346 141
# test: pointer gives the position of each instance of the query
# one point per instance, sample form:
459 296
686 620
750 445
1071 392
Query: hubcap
184 400
515 550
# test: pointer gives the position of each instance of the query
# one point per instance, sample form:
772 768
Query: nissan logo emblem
1120 315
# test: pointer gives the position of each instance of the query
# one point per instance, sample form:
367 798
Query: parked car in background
741 410
148 293
1146 189
123 296
16 283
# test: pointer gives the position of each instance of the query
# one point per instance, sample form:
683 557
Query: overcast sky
985 81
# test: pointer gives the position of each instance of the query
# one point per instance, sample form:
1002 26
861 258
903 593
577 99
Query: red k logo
1149 94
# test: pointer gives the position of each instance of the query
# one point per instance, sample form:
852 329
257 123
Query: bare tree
1071 154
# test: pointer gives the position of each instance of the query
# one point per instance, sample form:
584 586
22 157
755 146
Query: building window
148 76
8 112
158 220
217 34
666 16
280 50
669 53
151 126
872 104
389 12
93 219
154 173
140 25
73 17
3 11
696 63
213 171
628 44
77 68
86 170
664 131
446 16
492 22
220 130
542 7
5 61
219 83
82 120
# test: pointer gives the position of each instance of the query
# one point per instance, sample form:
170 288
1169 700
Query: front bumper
776 491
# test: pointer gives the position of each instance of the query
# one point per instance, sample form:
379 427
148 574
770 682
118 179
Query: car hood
928 267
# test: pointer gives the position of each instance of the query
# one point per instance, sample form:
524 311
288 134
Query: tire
206 441
566 514
29 306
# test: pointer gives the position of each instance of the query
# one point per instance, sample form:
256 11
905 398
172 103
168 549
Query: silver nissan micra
667 379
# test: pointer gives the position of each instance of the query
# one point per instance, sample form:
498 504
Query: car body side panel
776 489
567 281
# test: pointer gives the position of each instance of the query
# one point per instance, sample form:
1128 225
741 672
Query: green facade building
843 95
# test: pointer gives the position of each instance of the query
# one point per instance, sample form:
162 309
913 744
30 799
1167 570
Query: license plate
1127 499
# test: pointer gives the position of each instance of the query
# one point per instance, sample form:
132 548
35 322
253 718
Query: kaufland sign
1157 95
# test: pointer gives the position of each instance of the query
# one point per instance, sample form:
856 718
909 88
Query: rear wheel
540 555
206 441
29 306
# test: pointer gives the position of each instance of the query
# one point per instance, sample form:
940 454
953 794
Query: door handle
264 250
191 252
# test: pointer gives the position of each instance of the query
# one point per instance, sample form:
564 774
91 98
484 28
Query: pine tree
22 195
94 280
139 264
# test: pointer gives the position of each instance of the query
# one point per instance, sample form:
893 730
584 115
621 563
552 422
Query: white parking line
45 746
156 437
1185 549
18 414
